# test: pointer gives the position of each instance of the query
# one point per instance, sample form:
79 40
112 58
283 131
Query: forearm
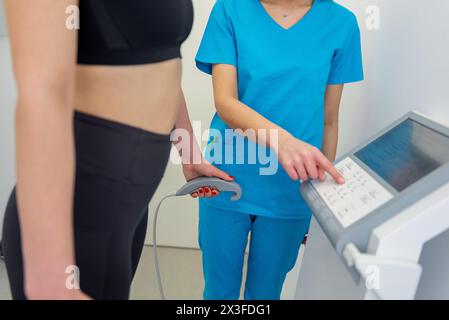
331 120
183 119
330 140
45 178
238 115
194 165
187 145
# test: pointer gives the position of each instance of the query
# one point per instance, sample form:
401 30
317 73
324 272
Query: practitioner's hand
204 169
303 161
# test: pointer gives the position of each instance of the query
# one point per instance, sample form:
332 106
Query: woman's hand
303 161
52 286
192 171
81 296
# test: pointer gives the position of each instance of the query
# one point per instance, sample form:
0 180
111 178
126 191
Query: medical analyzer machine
372 230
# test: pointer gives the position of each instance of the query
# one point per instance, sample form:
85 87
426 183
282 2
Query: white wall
406 67
7 98
2 20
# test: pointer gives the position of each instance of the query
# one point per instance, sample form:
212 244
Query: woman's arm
299 159
331 112
189 150
194 165
44 57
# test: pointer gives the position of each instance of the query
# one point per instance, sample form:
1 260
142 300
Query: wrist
192 160
58 279
189 152
284 137
50 287
46 293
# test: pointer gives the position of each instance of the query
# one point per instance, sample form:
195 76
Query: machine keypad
353 200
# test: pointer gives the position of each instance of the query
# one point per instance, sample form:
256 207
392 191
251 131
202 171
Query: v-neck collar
299 22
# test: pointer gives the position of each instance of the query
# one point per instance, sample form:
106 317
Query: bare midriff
143 96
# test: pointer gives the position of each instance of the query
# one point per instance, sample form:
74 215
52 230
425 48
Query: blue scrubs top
282 74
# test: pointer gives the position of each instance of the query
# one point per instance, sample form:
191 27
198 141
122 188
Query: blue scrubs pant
274 247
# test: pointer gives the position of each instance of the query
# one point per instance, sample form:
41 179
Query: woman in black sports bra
93 140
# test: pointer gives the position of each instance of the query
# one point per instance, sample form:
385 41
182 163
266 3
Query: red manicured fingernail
200 190
232 177
214 192
207 190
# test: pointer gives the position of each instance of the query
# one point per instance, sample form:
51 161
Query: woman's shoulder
231 6
231 2
338 10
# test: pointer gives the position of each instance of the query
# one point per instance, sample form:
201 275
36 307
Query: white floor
181 272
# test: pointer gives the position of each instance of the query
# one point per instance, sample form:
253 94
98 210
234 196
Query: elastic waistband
126 57
121 127
118 151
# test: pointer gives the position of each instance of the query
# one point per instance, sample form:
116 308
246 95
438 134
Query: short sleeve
347 63
218 43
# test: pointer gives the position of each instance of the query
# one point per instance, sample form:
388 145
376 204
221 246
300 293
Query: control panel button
360 195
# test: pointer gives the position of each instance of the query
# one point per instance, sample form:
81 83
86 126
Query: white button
360 195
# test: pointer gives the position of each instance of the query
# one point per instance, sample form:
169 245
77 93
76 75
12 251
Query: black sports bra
128 32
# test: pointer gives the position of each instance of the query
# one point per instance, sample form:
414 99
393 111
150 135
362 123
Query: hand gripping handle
219 184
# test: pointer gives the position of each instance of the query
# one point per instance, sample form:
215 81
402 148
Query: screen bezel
357 232
422 120
425 130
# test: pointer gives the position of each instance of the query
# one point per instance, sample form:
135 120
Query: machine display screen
406 153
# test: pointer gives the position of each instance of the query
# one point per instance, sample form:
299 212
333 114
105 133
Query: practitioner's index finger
333 172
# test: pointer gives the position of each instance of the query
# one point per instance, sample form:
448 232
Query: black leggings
118 169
